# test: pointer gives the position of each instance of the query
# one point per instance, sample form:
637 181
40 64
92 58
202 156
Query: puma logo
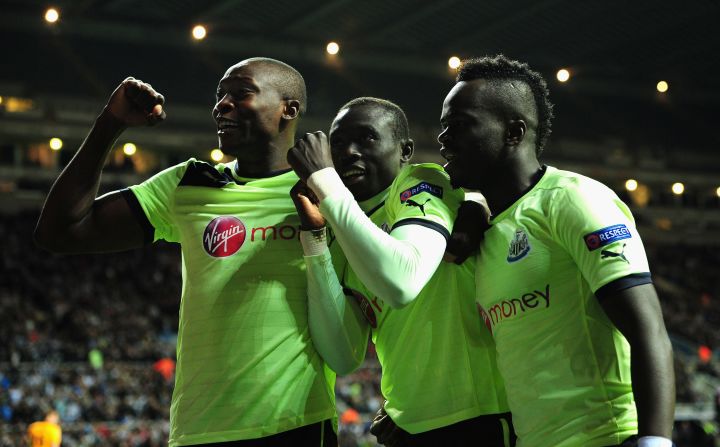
612 254
410 202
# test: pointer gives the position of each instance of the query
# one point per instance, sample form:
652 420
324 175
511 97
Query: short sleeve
156 196
598 231
422 195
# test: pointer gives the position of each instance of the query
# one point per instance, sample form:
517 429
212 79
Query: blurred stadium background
94 336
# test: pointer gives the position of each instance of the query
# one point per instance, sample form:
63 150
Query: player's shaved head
401 129
288 81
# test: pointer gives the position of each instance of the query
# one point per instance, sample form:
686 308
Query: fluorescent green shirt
565 365
246 367
438 359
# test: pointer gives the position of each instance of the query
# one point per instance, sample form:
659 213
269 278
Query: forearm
653 381
396 266
72 195
337 327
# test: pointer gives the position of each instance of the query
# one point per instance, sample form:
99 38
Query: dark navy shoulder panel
200 173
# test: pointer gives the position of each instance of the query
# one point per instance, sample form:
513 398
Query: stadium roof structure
616 52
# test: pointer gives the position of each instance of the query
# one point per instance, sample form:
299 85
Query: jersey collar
372 204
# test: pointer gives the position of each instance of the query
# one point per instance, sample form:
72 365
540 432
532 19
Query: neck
371 203
273 159
511 183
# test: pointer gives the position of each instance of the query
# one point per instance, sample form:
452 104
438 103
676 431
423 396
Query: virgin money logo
224 236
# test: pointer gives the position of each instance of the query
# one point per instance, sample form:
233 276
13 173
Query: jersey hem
250 433
440 422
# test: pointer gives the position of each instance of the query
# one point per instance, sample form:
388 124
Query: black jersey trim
199 173
626 282
135 207
425 223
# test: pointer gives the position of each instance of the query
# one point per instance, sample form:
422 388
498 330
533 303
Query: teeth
227 124
352 172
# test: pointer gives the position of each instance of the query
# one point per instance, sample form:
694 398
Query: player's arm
73 220
636 312
394 266
338 329
599 232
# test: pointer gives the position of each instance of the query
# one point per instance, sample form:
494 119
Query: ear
407 150
291 110
515 132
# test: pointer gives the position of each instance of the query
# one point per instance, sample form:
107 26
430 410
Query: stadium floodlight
216 154
199 32
332 48
129 149
563 75
631 184
52 15
56 144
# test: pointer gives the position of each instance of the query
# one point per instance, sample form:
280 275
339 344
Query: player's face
248 111
472 136
364 149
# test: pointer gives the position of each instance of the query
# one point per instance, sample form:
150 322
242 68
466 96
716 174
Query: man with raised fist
247 372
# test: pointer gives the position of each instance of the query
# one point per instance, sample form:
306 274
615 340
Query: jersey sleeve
598 231
422 195
156 197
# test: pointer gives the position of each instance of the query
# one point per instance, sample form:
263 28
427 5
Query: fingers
142 96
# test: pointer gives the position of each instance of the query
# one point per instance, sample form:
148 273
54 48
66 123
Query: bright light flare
678 188
332 48
199 32
56 144
52 15
454 62
129 149
216 154
662 86
563 75
631 184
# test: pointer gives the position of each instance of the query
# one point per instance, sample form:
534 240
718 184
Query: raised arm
337 326
636 312
73 219
394 266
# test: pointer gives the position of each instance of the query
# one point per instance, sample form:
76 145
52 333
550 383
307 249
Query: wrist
108 122
654 441
326 182
314 242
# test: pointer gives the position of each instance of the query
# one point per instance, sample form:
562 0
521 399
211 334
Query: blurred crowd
93 337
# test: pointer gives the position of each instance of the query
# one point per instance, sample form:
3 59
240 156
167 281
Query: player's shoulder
572 184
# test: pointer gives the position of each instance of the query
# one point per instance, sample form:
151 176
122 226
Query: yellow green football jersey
437 357
565 365
246 367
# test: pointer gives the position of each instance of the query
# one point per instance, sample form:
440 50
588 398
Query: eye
369 137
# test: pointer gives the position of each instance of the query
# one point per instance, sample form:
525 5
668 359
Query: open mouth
225 125
352 175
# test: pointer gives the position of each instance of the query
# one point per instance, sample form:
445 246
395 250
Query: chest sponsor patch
224 236
605 236
429 188
519 246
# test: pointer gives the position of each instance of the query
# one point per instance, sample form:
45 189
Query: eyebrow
243 80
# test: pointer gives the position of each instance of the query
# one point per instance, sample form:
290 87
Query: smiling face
473 135
248 111
365 150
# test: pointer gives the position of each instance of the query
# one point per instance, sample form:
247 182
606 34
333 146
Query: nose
223 106
444 136
348 153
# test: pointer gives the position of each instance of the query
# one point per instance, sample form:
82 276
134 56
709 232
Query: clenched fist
136 103
310 154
